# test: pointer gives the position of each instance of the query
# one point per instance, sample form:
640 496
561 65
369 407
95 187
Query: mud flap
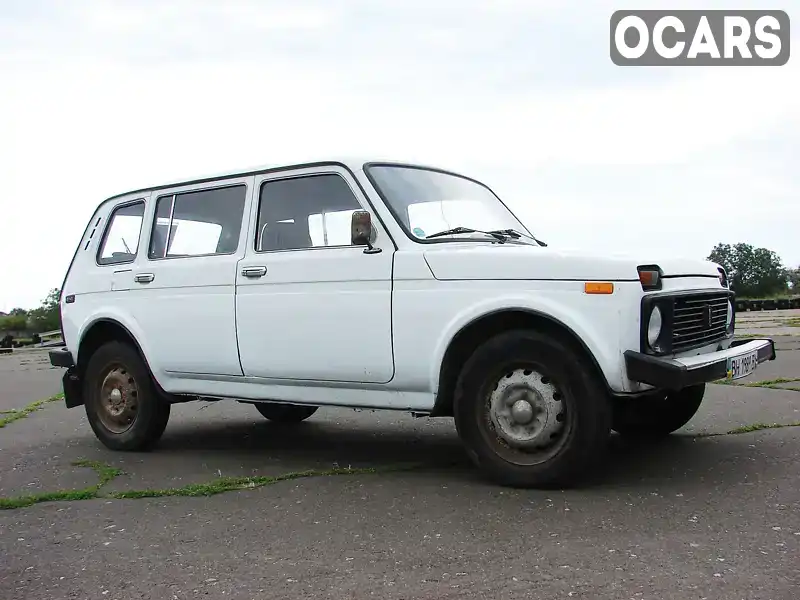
73 394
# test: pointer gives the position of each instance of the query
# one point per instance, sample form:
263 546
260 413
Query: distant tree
18 311
794 279
723 254
46 317
753 272
13 322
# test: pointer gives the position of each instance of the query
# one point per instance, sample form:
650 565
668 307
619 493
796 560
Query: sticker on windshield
418 232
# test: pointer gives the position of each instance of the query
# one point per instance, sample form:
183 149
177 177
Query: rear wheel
285 413
659 416
123 405
531 411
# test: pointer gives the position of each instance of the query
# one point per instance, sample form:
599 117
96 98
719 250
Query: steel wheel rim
525 415
118 399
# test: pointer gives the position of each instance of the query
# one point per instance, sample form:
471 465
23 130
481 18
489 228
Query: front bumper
61 358
679 373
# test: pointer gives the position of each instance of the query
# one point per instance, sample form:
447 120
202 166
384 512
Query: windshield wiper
498 235
513 233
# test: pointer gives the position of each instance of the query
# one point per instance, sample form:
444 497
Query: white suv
392 286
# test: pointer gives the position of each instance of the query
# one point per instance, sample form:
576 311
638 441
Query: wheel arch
103 330
473 333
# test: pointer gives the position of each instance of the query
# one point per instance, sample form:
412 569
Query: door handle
254 271
144 278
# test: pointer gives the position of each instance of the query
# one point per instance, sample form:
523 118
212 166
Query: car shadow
322 441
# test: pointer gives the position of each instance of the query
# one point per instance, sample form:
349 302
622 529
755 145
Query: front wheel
531 411
123 406
657 417
285 413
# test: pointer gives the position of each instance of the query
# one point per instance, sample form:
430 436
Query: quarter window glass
305 212
198 223
121 240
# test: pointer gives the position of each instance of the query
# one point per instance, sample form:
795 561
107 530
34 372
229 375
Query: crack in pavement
107 473
749 429
220 485
21 413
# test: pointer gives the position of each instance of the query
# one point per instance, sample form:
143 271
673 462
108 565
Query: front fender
594 320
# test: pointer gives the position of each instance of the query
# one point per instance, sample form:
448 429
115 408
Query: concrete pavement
704 514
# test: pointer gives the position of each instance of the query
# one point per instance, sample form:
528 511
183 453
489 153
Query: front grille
698 319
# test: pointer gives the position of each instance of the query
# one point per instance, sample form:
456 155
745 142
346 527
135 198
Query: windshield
427 202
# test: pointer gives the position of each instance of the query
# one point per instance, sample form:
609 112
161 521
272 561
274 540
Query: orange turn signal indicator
598 287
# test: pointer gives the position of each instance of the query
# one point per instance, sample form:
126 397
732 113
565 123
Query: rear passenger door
183 284
310 305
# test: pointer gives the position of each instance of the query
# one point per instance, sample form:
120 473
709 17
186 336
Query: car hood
454 260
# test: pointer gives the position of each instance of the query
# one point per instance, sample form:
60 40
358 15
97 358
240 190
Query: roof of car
351 162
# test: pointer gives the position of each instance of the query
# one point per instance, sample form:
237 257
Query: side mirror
360 228
361 231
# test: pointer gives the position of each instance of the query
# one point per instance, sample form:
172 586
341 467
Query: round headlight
654 327
729 319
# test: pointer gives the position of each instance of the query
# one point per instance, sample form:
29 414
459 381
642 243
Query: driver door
305 296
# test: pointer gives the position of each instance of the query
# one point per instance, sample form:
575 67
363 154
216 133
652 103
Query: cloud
103 97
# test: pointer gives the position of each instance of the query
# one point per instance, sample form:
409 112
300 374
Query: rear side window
121 238
201 223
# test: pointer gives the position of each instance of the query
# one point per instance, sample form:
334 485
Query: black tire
573 397
118 366
657 417
285 413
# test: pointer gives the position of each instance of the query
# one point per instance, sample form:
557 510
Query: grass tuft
105 474
746 429
750 336
760 426
60 496
772 384
17 414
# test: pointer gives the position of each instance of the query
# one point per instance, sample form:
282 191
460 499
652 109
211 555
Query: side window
311 211
198 223
121 238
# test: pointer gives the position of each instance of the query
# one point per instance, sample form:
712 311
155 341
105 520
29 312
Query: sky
99 97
